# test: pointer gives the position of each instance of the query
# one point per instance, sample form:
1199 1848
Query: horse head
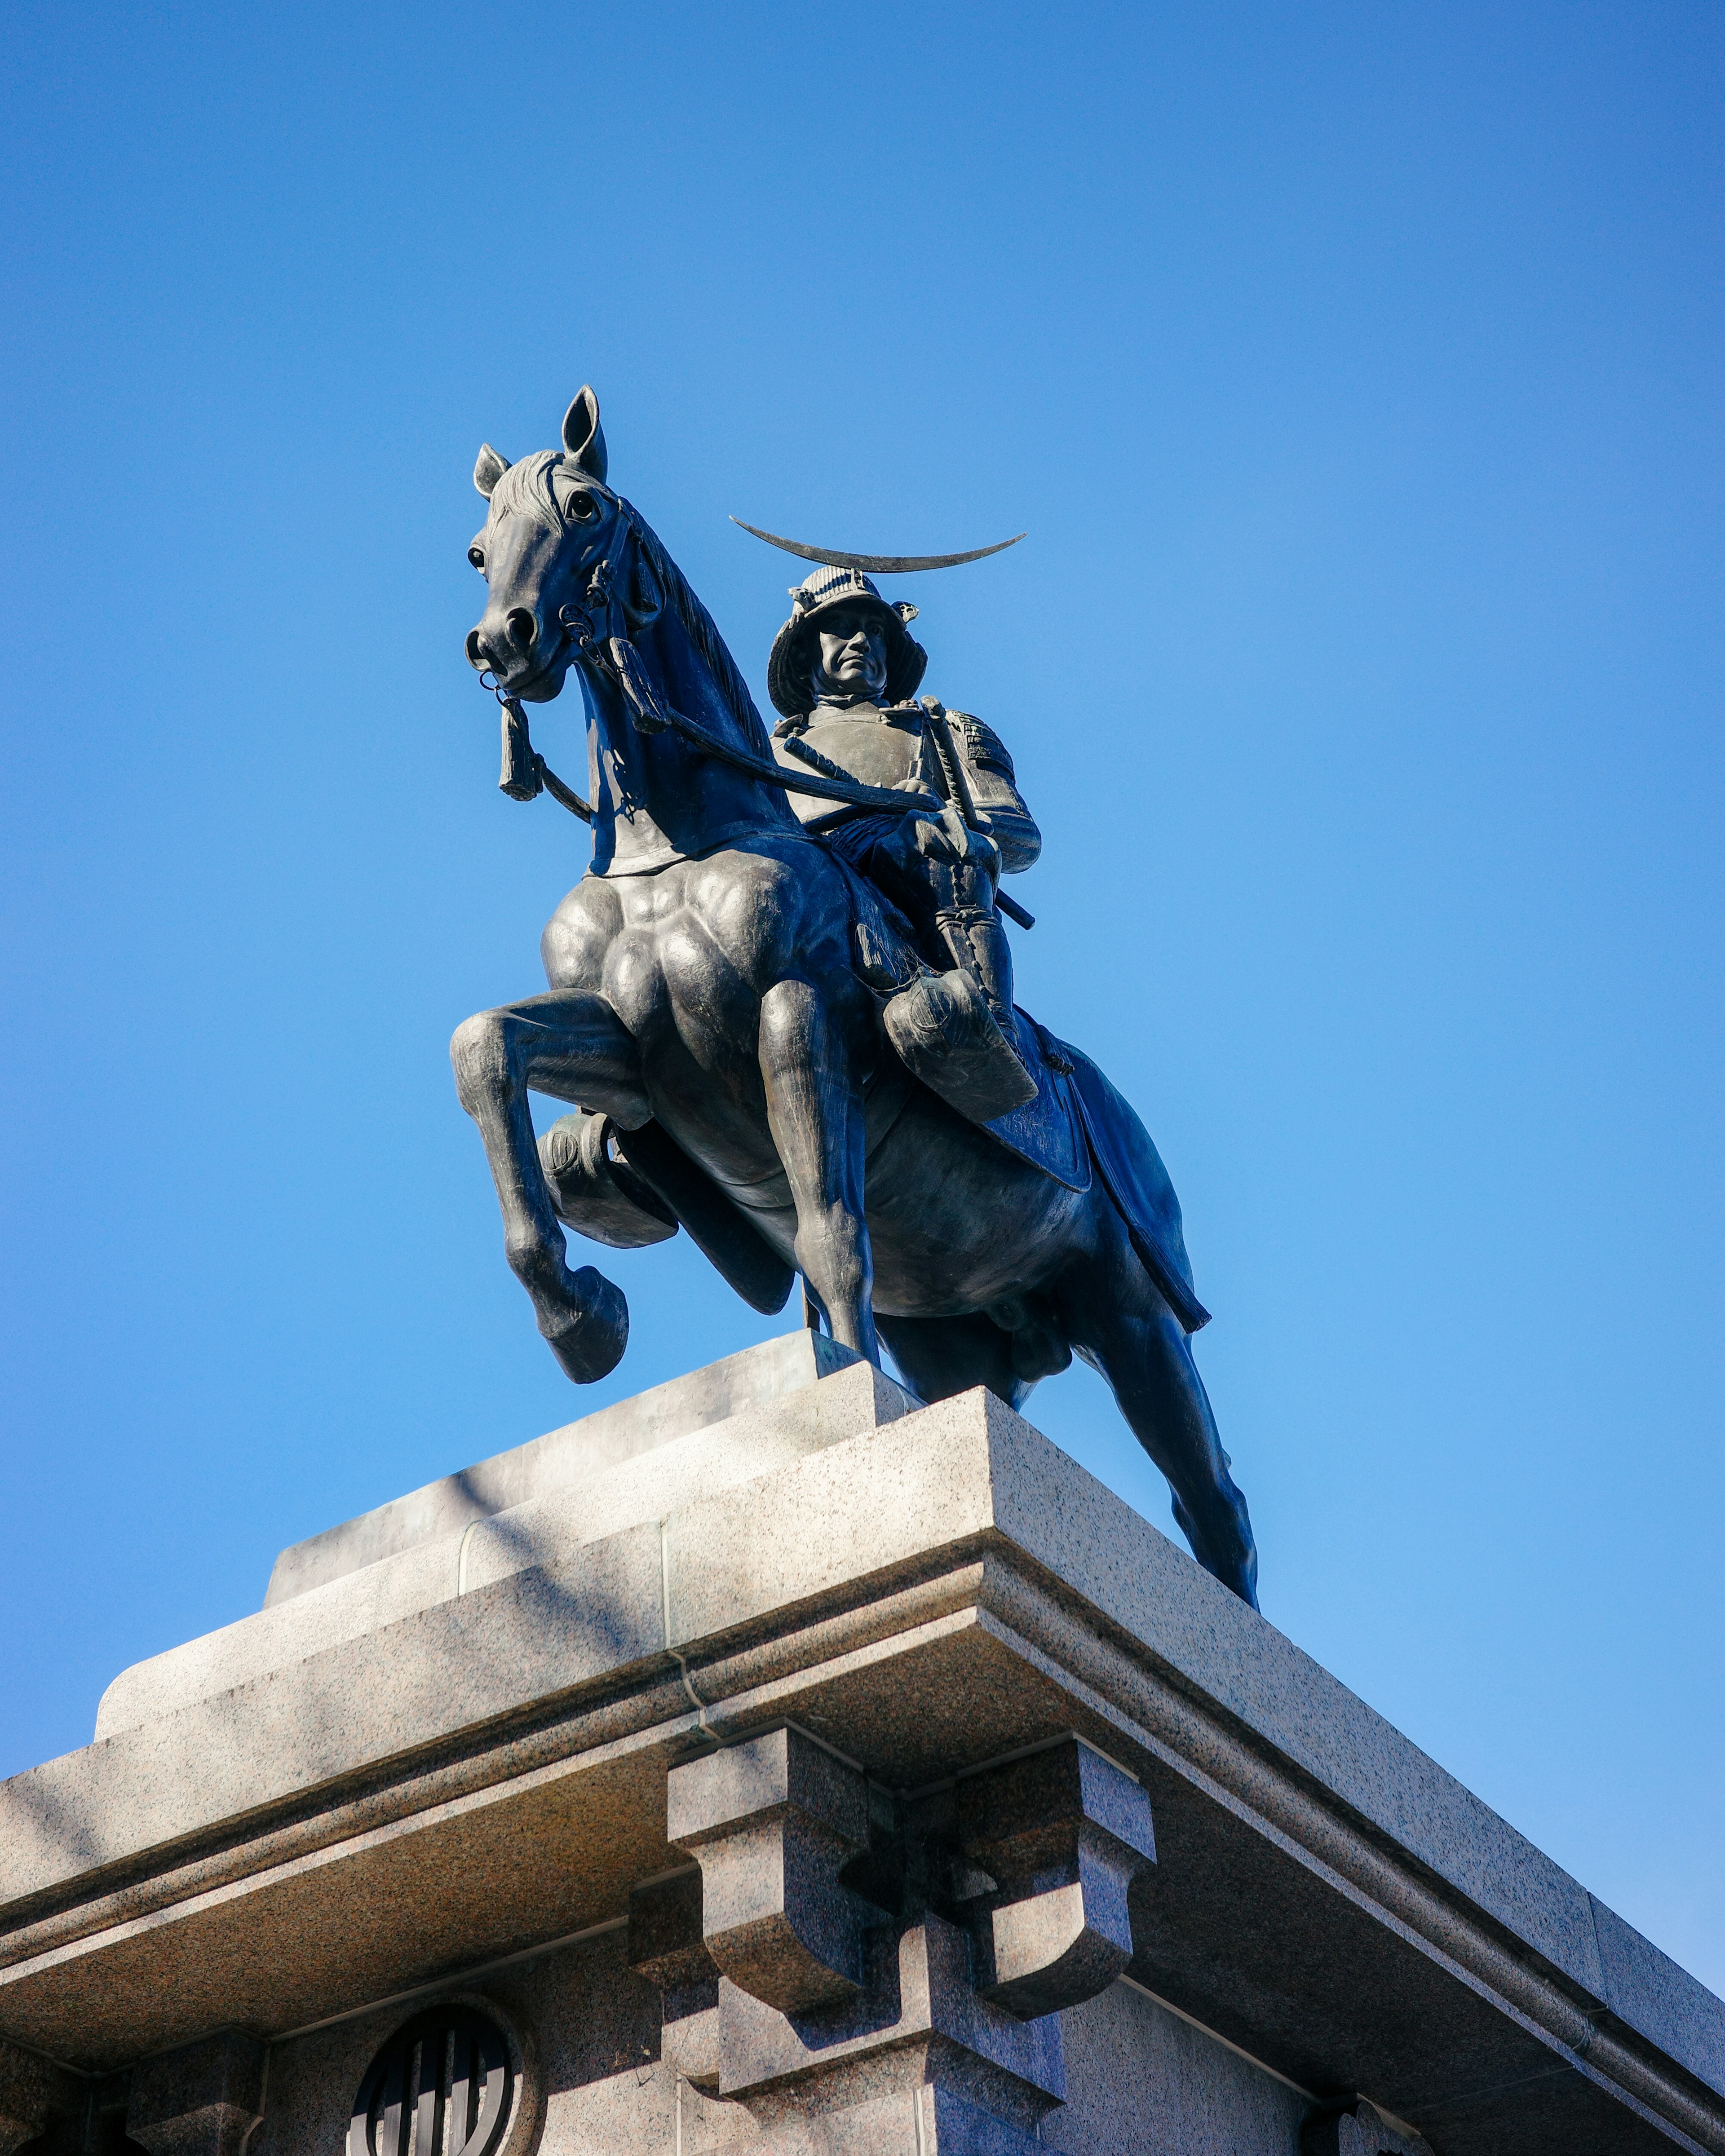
556 554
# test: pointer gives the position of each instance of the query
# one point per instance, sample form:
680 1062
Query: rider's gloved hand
951 842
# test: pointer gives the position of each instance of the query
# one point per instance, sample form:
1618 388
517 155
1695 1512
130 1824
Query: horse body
685 960
703 978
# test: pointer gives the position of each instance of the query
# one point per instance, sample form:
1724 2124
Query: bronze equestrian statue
811 1071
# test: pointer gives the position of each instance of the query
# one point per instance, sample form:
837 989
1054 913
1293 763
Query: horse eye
583 507
477 558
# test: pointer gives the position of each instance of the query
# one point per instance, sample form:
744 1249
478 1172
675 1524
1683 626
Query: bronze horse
716 987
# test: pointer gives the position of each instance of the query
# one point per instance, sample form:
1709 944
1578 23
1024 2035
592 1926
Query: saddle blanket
1079 1124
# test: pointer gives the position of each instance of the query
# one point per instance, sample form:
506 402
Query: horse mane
703 634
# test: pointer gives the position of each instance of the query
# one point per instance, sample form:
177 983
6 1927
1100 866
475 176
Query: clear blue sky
1356 371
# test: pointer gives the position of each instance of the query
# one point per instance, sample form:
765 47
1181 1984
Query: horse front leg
572 1045
815 1109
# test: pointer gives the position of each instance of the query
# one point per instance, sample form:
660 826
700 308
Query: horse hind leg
570 1044
1010 1348
1119 1321
941 1357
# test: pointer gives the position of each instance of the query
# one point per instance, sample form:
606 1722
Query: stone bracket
667 1945
917 2021
202 2099
1063 1833
883 1963
771 1823
36 2095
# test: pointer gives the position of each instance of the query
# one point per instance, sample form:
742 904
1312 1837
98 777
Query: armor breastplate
879 749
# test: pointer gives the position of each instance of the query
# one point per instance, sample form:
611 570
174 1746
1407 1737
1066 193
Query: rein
653 716
525 773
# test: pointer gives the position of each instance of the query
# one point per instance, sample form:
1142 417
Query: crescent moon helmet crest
878 565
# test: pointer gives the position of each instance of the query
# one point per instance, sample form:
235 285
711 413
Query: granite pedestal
770 1764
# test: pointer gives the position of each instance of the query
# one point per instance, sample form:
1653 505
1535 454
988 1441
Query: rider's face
853 653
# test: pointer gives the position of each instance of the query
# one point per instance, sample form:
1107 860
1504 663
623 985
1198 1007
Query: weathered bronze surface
878 565
781 1004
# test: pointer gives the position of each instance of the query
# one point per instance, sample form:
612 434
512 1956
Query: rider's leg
951 905
571 1044
1118 1319
987 951
815 1109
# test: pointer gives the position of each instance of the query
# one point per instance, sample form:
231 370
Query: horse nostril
522 627
475 651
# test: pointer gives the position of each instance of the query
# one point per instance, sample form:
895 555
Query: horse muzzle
528 660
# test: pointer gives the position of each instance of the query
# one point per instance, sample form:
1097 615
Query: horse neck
657 800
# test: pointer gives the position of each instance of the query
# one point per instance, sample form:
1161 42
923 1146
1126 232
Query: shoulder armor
982 744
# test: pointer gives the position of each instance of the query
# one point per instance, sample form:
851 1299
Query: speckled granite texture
455 1749
764 1377
567 1490
1140 2082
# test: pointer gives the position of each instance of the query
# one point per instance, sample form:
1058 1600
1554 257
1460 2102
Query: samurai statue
844 671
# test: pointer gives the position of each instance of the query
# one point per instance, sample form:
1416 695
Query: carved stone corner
919 2098
1354 2128
1063 1833
916 2060
201 2100
35 2098
771 1823
836 1917
667 1945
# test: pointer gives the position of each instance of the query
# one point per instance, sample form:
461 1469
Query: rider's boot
988 954
956 1029
971 931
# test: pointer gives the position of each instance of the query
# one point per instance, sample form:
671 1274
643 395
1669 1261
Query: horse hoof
591 1345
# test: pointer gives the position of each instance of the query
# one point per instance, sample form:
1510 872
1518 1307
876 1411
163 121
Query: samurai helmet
790 665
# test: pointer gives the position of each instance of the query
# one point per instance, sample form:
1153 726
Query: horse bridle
598 644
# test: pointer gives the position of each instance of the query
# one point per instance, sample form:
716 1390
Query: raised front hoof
590 1345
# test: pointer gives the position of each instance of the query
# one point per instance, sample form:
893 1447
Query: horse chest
681 995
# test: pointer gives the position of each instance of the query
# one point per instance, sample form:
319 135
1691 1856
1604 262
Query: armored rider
844 671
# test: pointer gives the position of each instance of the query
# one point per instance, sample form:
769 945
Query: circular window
440 2087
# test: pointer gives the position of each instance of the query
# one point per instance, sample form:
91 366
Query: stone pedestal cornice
492 1768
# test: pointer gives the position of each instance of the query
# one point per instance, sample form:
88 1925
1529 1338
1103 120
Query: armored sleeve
994 788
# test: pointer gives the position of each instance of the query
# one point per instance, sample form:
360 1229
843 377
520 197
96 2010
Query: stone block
566 1491
35 2096
1143 2082
201 2100
771 1823
1664 2005
667 1945
756 1377
1064 1832
922 2118
916 2001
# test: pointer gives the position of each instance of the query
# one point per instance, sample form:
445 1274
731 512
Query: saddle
1067 1121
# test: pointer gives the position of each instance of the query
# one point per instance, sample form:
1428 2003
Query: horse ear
488 469
583 437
